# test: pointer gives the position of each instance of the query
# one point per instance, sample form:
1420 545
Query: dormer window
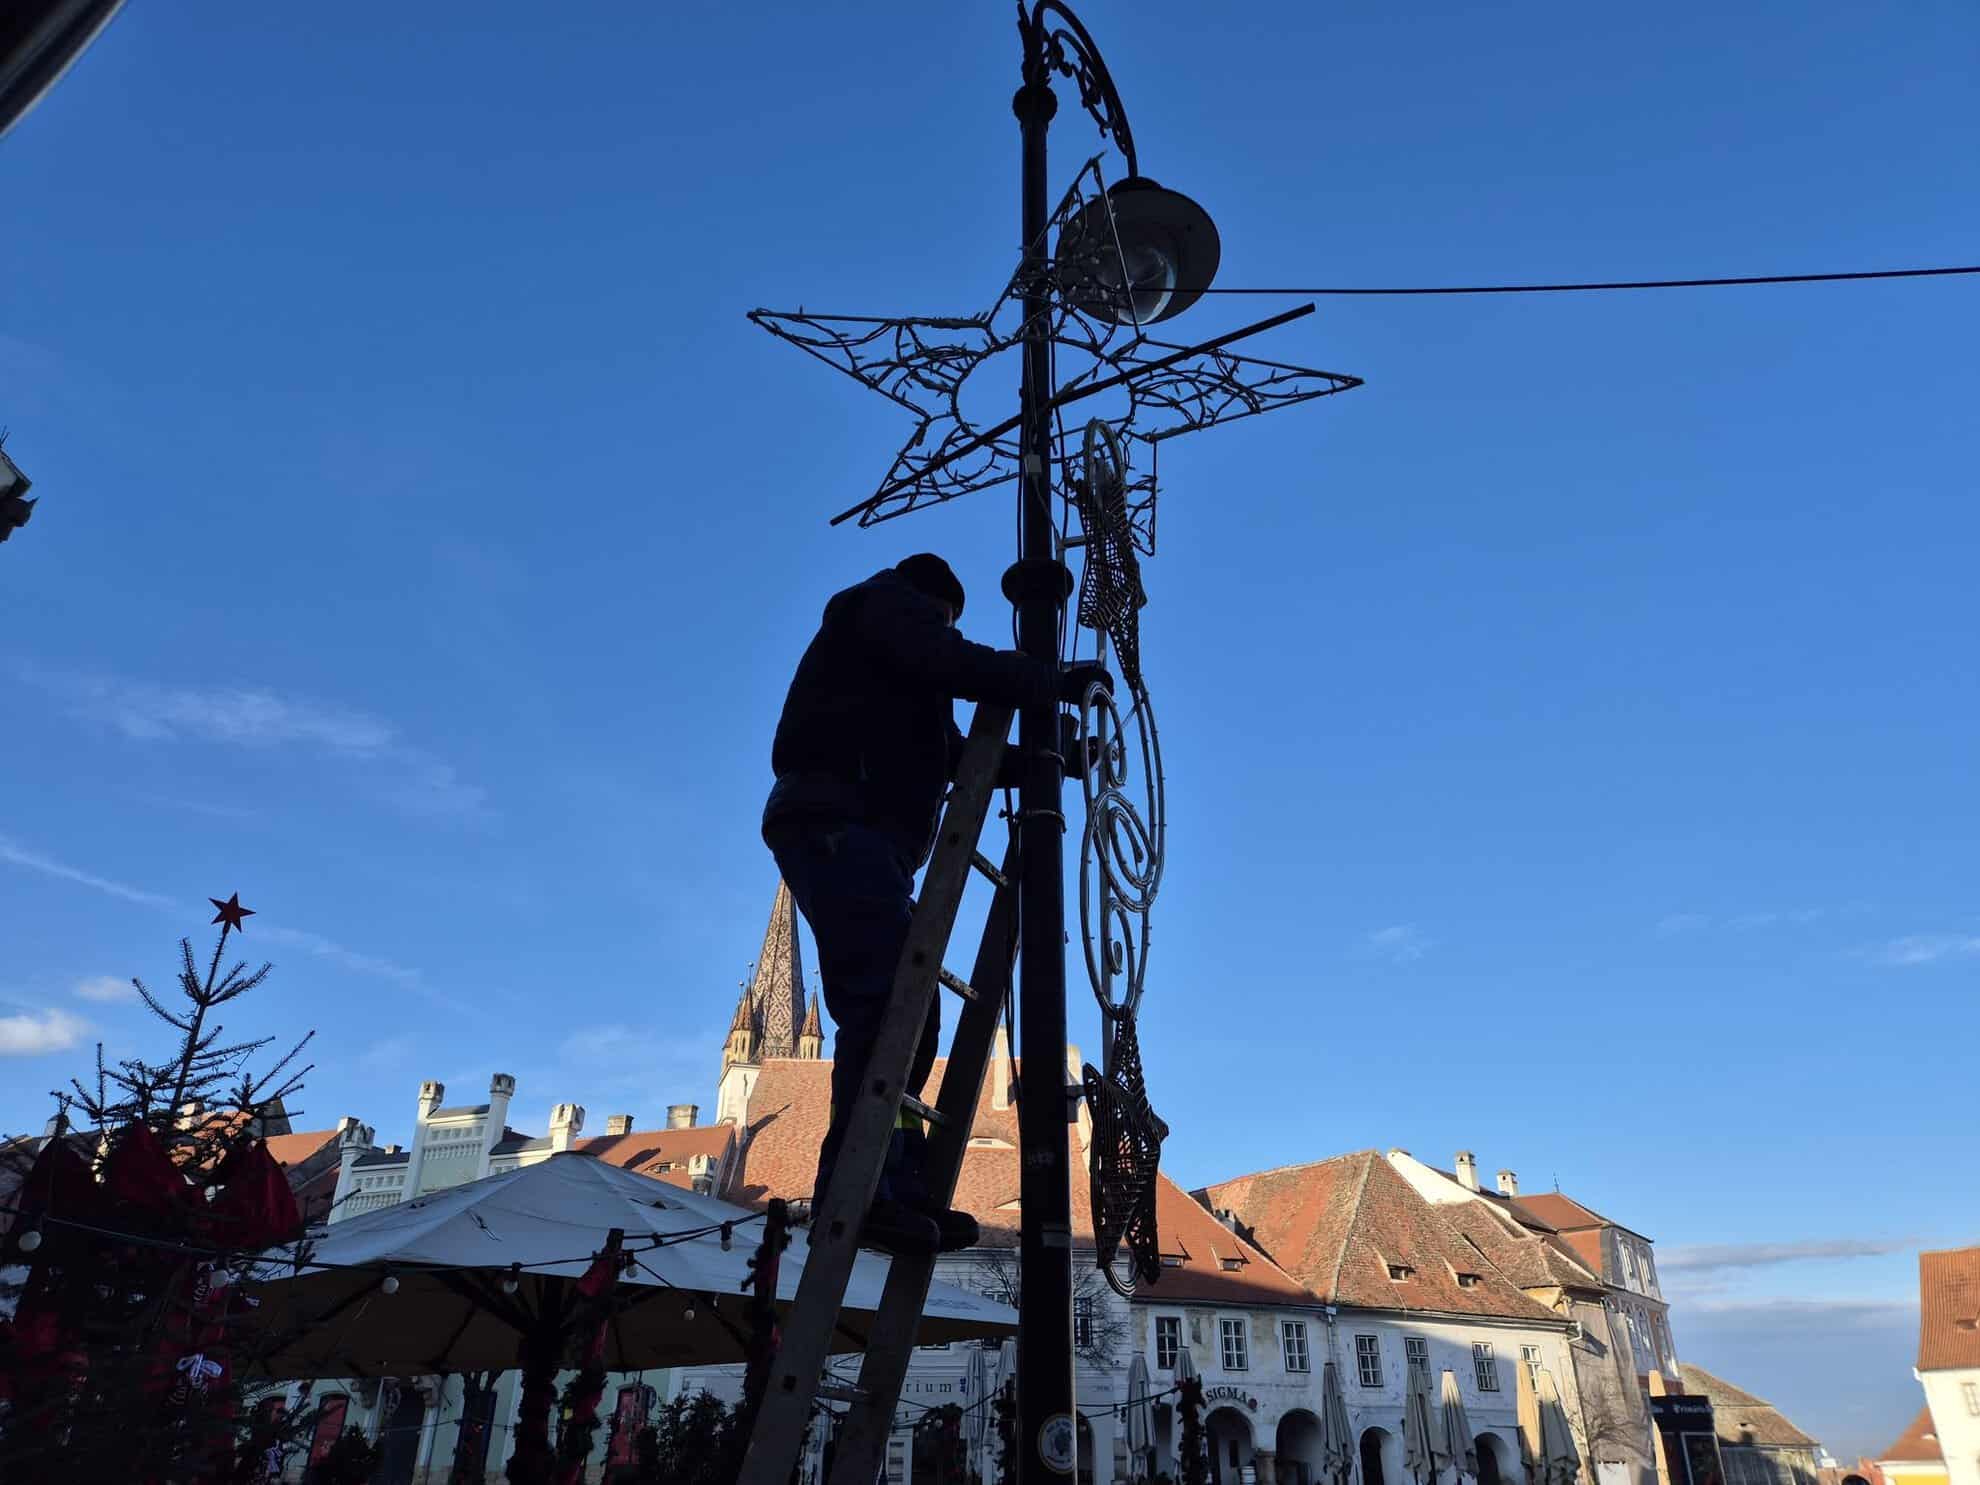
1232 1265
1467 1281
1172 1260
1401 1273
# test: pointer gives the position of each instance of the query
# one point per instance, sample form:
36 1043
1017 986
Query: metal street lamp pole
1038 586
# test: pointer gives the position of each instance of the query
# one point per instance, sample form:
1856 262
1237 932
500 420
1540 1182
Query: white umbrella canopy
976 1414
1336 1436
1561 1461
1455 1440
1185 1366
450 1252
1140 1416
1419 1460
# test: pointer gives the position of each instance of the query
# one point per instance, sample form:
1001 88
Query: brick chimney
1467 1170
566 1120
1508 1183
682 1115
618 1123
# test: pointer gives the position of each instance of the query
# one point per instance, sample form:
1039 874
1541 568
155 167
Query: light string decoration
924 362
1120 868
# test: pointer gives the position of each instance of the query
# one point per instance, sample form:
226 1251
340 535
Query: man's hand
1076 680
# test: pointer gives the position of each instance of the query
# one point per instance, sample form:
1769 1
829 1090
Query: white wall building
1949 1355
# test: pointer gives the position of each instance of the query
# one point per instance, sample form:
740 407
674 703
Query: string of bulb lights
31 1242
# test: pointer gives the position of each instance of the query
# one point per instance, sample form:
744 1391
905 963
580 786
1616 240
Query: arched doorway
1375 1446
1299 1448
1229 1434
1497 1464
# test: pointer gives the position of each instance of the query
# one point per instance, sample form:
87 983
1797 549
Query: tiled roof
1562 1212
1337 1226
1948 1309
778 1156
1740 1418
1204 1245
382 1157
1529 1259
1917 1443
644 1150
294 1149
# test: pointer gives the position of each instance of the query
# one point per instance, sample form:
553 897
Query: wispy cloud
1400 943
255 717
1673 924
1926 948
1812 1315
19 855
387 1052
107 988
309 943
32 1033
1699 1258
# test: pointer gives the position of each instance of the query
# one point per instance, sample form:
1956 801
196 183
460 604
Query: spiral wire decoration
1120 872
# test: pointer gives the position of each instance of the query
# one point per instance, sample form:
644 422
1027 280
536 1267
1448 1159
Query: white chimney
430 1094
1000 1071
1467 1170
566 1120
618 1123
1508 1183
682 1115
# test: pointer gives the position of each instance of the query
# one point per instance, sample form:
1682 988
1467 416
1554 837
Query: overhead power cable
1646 283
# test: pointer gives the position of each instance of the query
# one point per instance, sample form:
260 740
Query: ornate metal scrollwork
1054 39
1120 869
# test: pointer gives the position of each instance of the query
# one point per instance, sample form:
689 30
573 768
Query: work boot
905 1180
889 1226
899 1230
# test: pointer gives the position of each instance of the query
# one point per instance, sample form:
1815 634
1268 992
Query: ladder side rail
833 1240
890 1344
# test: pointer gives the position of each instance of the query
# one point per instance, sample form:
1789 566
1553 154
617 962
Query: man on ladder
864 752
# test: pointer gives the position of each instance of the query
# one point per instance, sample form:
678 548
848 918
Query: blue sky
1569 734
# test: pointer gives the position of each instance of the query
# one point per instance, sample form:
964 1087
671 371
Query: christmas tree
137 1215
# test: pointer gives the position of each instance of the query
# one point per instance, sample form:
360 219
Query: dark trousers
857 898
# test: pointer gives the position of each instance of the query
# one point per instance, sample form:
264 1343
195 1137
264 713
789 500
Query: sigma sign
1230 1394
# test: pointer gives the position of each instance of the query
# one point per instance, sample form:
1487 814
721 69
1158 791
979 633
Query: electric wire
1747 280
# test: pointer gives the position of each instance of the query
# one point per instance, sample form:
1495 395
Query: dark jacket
868 730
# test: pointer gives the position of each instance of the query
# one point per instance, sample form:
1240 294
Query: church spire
811 1040
776 990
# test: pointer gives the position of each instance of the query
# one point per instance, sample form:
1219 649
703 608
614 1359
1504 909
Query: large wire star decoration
922 363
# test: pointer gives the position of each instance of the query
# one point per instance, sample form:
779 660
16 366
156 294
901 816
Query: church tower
771 1018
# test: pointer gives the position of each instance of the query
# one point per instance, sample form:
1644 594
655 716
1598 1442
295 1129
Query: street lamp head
1154 261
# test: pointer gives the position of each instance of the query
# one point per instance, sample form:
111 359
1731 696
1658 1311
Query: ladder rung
989 869
845 1392
958 984
934 1116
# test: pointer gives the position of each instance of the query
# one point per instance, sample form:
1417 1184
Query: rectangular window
1416 1350
1530 1358
1237 1346
1168 1341
1368 1360
1083 1322
1293 1334
1971 1392
1487 1366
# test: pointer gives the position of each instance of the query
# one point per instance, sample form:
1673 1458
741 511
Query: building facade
1949 1355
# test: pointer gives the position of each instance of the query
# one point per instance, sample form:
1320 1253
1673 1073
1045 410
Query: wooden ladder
795 1377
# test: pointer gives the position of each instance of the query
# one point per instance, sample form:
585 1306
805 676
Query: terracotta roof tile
1917 1443
294 1149
1740 1418
1562 1212
644 1150
1948 1309
787 1114
1338 1225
